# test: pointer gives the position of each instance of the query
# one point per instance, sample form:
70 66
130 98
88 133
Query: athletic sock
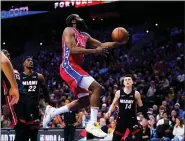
61 110
94 114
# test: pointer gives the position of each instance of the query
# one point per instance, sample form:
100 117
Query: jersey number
128 106
31 88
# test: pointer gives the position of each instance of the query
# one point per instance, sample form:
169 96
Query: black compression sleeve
142 109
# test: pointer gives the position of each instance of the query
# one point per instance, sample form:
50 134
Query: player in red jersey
73 50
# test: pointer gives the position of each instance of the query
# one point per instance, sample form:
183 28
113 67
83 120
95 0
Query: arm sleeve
142 109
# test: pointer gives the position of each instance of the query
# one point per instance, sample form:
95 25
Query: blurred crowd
159 75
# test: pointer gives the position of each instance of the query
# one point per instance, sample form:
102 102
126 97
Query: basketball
120 34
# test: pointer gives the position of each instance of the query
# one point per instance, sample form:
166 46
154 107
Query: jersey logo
29 82
34 77
126 101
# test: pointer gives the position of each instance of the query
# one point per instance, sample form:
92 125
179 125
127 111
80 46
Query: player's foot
107 138
47 116
95 129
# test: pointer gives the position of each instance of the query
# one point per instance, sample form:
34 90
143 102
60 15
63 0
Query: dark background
41 27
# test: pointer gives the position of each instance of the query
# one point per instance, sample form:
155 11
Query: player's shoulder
39 74
117 93
137 94
16 71
68 30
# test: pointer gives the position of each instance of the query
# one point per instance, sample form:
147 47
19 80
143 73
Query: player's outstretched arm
114 103
8 70
140 104
95 43
44 88
68 37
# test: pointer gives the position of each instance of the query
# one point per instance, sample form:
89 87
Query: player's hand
14 92
107 115
102 51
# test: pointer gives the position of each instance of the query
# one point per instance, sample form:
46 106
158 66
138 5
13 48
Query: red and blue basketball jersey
70 69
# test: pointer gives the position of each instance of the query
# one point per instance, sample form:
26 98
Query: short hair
128 75
25 58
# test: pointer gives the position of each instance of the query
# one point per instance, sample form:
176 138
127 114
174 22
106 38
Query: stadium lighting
4 43
156 24
147 31
41 43
101 19
93 19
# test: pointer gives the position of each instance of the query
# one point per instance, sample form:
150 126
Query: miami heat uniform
127 115
71 70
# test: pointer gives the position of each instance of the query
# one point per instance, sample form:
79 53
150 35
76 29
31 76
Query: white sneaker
94 129
109 137
47 116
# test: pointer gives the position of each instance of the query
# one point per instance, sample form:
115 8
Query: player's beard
81 25
30 66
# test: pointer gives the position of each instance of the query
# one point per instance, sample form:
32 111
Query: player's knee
95 86
100 89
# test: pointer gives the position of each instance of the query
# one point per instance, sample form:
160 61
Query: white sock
94 114
61 110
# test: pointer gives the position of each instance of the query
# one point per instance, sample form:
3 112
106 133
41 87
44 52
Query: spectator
103 125
164 119
155 110
104 108
163 129
173 117
145 130
171 94
180 111
112 127
161 111
57 122
152 126
178 130
110 132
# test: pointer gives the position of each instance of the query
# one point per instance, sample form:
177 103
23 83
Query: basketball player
8 73
27 109
127 99
74 48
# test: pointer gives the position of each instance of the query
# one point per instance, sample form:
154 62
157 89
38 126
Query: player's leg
21 132
66 133
81 102
88 83
71 133
120 132
33 134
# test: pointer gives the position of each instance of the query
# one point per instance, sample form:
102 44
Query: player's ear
132 82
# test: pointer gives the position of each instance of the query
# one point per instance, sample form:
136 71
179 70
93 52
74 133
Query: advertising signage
32 9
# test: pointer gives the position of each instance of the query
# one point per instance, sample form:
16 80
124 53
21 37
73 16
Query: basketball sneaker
95 130
48 116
